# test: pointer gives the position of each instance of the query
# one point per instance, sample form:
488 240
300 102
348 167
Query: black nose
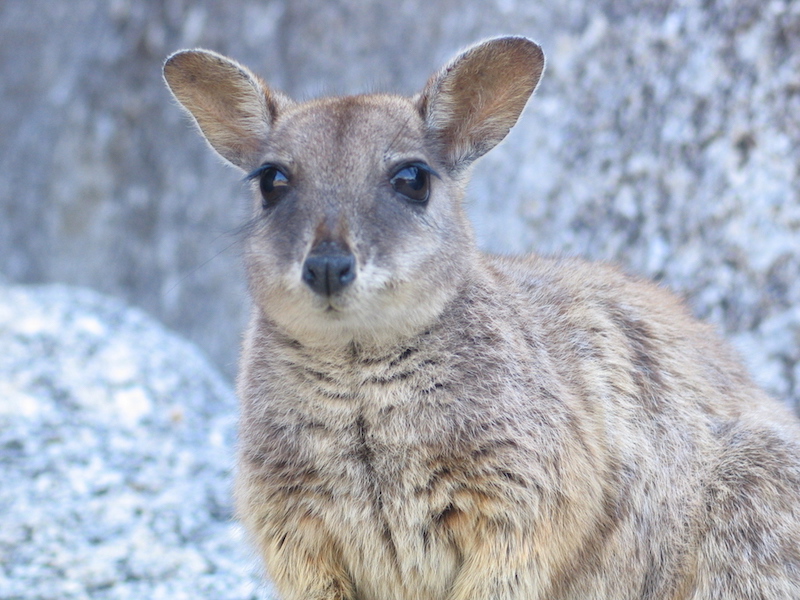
329 269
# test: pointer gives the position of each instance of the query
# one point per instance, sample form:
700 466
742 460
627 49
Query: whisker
400 131
239 234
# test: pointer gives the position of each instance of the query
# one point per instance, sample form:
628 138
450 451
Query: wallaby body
421 421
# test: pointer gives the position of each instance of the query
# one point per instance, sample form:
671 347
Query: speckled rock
116 449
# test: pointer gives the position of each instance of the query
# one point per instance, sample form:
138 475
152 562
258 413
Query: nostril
313 271
345 269
328 274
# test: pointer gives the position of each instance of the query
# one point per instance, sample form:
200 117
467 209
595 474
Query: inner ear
233 108
472 103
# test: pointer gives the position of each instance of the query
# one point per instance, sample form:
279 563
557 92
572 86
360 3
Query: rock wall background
116 448
665 136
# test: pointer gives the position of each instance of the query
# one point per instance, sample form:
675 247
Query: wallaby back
422 421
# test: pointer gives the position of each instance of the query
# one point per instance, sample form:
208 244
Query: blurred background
665 136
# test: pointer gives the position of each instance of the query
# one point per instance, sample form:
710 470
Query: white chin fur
370 318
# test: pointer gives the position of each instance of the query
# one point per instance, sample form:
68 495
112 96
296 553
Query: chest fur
395 460
376 450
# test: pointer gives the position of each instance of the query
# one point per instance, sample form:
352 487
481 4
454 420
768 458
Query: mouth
333 306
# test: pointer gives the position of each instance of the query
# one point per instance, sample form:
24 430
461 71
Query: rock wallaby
422 421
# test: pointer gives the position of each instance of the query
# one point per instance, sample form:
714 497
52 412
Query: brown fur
457 426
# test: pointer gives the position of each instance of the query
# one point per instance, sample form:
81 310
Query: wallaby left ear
232 107
472 103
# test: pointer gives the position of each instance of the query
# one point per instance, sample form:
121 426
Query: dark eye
412 182
274 184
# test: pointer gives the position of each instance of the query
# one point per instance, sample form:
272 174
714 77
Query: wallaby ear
233 108
471 104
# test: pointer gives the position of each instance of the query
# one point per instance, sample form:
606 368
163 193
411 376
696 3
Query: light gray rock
116 448
664 136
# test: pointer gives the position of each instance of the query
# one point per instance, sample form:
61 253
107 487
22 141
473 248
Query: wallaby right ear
471 104
233 108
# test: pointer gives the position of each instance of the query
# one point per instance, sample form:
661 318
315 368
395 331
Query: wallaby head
358 230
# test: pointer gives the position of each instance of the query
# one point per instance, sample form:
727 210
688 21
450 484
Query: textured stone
116 448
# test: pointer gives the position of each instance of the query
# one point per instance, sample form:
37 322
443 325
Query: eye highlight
413 182
272 182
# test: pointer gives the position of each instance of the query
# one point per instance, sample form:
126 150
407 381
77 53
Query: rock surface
665 136
116 448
